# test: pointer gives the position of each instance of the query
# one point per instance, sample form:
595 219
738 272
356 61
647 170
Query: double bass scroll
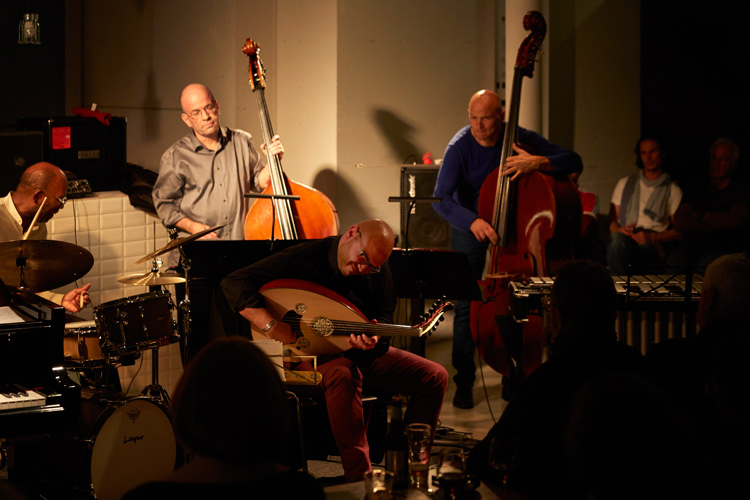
314 215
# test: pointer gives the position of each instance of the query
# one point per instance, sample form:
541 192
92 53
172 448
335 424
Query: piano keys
36 394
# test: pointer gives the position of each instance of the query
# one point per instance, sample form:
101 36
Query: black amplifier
85 147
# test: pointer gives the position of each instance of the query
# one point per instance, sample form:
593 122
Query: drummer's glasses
363 259
62 201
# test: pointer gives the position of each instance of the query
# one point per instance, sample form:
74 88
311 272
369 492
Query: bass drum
133 443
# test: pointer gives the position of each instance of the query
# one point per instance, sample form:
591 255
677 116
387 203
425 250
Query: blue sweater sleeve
466 165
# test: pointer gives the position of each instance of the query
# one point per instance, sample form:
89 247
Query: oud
322 319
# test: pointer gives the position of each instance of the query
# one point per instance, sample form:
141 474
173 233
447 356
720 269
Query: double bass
537 218
313 215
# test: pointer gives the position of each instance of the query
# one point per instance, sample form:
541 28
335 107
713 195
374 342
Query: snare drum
133 443
136 323
81 343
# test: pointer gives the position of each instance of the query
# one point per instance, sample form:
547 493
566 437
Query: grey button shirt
209 186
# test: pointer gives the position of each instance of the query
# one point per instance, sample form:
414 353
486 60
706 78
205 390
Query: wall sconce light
28 28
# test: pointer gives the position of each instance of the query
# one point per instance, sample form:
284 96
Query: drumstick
33 221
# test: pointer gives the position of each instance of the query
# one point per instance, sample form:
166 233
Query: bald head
365 247
201 112
42 188
486 99
725 293
42 175
193 92
486 117
379 238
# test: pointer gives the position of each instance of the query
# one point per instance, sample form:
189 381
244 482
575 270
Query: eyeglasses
62 201
363 259
210 109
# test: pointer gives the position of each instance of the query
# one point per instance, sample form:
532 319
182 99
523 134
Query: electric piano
36 394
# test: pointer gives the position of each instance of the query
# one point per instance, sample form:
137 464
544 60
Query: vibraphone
650 308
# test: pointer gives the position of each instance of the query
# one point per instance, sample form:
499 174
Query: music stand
421 274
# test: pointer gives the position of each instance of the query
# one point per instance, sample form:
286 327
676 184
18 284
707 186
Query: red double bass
537 218
313 215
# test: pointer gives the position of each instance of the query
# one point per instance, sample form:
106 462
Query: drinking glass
419 441
378 484
451 473
503 459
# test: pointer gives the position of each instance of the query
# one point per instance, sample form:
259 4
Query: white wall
355 82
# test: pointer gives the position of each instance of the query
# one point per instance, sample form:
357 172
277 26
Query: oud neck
381 329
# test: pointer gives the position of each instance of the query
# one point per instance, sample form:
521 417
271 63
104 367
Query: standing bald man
473 153
203 178
45 186
354 265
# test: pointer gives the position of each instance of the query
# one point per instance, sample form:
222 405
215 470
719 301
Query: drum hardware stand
183 308
155 390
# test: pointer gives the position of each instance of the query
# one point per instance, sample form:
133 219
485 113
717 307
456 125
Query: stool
316 432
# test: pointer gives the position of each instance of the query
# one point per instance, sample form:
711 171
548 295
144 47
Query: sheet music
8 316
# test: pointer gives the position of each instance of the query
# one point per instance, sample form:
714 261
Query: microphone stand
417 302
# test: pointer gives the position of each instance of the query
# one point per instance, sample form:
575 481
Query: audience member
229 411
703 375
626 440
531 430
642 208
714 216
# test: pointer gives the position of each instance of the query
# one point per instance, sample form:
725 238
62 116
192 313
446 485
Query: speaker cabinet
421 226
18 151
86 147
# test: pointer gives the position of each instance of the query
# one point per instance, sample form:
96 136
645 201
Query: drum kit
131 441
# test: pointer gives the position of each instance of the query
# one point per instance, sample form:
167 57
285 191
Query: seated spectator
704 375
530 432
642 208
627 441
714 216
230 414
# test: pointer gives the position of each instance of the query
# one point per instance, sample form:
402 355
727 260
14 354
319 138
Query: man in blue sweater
473 153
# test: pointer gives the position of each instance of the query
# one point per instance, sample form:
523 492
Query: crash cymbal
176 243
43 264
151 279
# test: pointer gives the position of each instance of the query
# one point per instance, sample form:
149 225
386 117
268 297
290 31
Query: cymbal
151 279
47 264
175 244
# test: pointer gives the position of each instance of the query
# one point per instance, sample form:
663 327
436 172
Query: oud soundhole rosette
322 326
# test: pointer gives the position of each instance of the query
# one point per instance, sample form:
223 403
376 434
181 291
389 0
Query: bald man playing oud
354 265
43 188
473 153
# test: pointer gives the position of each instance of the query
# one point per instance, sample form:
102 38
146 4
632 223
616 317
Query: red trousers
397 371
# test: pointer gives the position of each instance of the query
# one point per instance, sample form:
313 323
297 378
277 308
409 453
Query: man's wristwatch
269 325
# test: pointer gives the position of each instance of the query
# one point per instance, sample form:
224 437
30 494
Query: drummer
42 188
